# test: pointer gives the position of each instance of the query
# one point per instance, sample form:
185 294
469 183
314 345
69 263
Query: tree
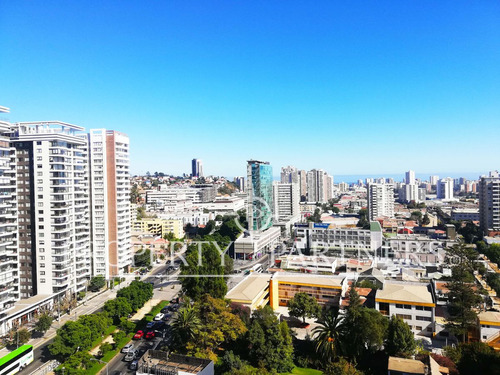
462 299
302 305
327 335
342 367
270 342
316 216
426 220
126 325
17 337
117 308
105 348
477 358
218 326
363 219
416 216
96 283
185 324
70 337
142 258
364 329
44 322
400 341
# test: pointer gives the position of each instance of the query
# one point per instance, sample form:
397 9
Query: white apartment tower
286 199
302 176
445 189
380 200
289 174
9 257
489 204
110 197
410 177
53 208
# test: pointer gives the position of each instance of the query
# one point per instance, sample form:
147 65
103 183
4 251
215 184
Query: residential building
445 189
471 214
489 328
343 242
286 199
410 177
9 255
159 227
260 195
196 168
319 186
489 204
380 200
434 180
411 192
303 185
240 182
289 175
412 302
53 201
110 202
254 244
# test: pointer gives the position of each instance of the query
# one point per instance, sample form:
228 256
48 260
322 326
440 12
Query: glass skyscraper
260 195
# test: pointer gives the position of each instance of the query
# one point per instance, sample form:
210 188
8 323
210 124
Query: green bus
16 360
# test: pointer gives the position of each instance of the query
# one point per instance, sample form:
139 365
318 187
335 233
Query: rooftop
406 366
405 292
300 278
490 317
160 362
249 288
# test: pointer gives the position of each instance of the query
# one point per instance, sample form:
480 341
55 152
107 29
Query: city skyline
346 86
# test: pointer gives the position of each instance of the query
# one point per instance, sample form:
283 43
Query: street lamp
98 360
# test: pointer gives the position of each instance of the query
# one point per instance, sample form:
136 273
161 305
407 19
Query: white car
127 348
159 316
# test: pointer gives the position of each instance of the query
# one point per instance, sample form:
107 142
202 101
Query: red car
138 335
150 335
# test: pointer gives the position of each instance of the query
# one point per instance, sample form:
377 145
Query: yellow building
159 227
258 290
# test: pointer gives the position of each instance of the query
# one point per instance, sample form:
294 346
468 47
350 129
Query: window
424 318
42 281
418 328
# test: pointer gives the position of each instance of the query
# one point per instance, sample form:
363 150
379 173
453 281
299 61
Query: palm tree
185 324
327 334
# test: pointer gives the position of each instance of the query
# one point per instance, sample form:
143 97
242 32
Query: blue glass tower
260 195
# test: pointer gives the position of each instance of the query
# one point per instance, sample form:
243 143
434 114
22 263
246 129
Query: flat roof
405 292
4 109
406 366
249 288
27 304
304 278
489 317
41 123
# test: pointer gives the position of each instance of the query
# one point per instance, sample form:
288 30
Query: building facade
110 203
53 201
444 189
286 199
380 200
489 204
260 195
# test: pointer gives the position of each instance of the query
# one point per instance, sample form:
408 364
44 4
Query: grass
303 371
155 310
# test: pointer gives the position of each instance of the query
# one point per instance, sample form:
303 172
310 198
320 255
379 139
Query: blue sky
350 87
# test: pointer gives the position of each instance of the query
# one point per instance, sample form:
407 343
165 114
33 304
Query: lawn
303 371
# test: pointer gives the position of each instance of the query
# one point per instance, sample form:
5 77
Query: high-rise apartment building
380 200
196 168
434 180
9 257
302 184
53 208
410 177
110 202
319 186
260 195
240 182
286 199
445 189
289 174
489 204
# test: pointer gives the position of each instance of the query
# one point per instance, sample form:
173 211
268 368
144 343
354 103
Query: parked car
133 365
159 316
150 335
130 356
150 325
138 335
127 348
174 307
166 317
165 310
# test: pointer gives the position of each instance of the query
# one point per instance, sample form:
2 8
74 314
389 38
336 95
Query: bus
16 360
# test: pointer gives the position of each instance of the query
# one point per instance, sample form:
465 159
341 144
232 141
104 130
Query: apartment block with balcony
110 189
489 204
9 257
53 208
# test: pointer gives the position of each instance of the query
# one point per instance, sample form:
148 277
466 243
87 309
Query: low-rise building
412 302
489 328
254 245
159 362
471 214
159 227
